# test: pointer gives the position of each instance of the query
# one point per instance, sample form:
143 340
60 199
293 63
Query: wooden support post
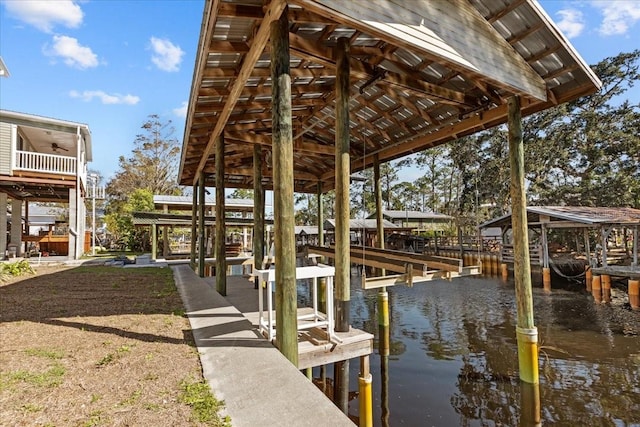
258 211
282 146
201 242
323 281
383 349
634 262
606 288
154 241
504 268
588 277
605 236
383 307
365 396
596 289
527 333
546 279
342 243
221 260
194 225
634 294
587 246
165 241
378 196
546 272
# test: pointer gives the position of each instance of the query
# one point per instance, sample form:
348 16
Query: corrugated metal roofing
422 74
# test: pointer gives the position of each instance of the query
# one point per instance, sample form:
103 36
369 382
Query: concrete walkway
259 385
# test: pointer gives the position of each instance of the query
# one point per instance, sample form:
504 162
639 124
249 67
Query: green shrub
15 269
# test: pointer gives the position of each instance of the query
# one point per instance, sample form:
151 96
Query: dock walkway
258 384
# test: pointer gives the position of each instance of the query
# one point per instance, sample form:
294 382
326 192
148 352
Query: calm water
453 357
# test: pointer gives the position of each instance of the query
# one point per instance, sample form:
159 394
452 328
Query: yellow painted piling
365 397
606 288
634 294
546 279
596 290
528 354
588 277
504 269
383 308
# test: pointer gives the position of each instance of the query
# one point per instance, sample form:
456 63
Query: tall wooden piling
194 225
282 146
504 270
342 250
588 277
527 333
221 249
606 288
546 279
377 189
634 294
201 207
384 345
596 289
258 211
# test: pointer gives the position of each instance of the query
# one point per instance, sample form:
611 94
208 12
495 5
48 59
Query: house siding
5 148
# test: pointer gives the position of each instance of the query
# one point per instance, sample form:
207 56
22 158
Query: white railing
39 162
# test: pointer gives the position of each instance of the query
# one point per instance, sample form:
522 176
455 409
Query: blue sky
110 64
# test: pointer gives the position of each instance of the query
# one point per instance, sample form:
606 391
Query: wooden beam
258 43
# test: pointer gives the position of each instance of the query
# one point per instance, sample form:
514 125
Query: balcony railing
40 162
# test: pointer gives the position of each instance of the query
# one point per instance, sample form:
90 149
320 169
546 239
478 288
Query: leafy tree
153 164
121 223
587 152
242 193
307 207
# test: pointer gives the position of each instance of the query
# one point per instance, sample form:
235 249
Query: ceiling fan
55 147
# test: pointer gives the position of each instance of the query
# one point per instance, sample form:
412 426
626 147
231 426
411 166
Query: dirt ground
96 346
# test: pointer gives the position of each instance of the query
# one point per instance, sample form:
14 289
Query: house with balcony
42 160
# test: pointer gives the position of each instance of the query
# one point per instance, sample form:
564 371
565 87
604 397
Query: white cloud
618 16
104 97
182 110
571 22
166 55
45 14
73 54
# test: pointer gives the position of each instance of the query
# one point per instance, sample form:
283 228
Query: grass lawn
99 346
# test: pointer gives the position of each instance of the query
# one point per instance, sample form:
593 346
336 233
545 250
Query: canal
452 357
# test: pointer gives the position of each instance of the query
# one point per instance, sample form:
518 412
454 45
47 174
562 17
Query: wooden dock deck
314 349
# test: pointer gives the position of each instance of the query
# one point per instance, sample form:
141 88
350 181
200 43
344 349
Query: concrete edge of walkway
258 384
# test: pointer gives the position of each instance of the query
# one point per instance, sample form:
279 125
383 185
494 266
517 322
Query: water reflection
451 358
